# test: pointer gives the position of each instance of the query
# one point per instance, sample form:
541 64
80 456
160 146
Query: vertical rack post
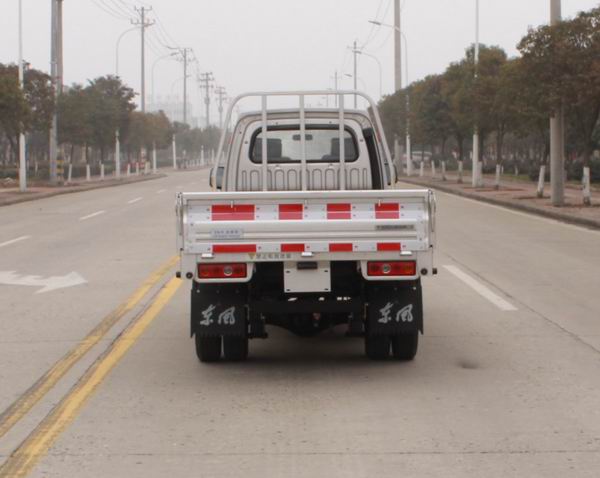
342 145
303 143
265 163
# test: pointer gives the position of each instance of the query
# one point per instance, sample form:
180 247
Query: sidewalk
519 195
11 194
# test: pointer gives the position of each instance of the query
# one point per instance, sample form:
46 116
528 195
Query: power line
109 12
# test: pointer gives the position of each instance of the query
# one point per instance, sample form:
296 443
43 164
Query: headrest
274 149
350 152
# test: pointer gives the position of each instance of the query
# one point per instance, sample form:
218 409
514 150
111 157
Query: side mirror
219 177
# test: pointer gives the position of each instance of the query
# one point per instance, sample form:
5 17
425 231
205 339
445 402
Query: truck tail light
222 271
392 269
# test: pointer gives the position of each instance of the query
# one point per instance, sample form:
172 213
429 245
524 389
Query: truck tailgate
334 224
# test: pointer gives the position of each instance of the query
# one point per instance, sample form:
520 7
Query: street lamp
477 179
408 141
22 163
117 48
363 84
168 55
360 52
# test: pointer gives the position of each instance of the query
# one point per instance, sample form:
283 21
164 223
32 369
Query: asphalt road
506 382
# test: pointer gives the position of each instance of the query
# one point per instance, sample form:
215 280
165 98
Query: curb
557 216
78 189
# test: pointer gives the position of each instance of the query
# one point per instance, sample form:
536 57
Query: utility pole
221 93
205 81
475 161
185 59
22 161
355 51
143 23
397 47
56 74
557 133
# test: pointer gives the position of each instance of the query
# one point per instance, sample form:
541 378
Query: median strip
19 408
22 461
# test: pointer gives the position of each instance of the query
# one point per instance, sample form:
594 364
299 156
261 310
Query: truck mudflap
394 308
219 310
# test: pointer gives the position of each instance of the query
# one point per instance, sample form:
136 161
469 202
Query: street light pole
476 180
355 74
398 85
118 45
22 163
557 134
361 52
397 46
168 55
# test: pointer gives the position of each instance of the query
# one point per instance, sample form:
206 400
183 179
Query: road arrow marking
47 284
14 241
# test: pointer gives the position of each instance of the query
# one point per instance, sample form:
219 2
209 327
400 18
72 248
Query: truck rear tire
377 347
405 346
235 349
208 349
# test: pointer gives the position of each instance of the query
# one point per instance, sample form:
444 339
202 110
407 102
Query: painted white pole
70 174
432 168
22 159
443 170
202 158
174 153
137 168
497 181
101 171
422 169
88 173
587 189
117 155
128 169
460 171
154 166
541 181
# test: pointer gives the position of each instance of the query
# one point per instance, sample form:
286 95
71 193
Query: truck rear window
322 145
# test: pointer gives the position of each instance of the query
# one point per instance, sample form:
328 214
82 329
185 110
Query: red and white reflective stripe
387 211
298 212
327 247
239 212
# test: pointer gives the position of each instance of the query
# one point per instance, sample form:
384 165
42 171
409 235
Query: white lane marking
94 214
133 201
160 191
481 289
14 241
47 285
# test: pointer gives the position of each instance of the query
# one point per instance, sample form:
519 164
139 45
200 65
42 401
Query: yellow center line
26 456
20 407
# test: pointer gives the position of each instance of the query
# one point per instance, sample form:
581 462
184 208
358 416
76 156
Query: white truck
306 231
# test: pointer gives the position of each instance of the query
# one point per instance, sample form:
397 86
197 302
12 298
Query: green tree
563 62
24 111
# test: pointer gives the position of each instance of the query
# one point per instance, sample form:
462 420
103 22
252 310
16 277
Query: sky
266 44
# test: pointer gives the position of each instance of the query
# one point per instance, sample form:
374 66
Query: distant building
172 105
